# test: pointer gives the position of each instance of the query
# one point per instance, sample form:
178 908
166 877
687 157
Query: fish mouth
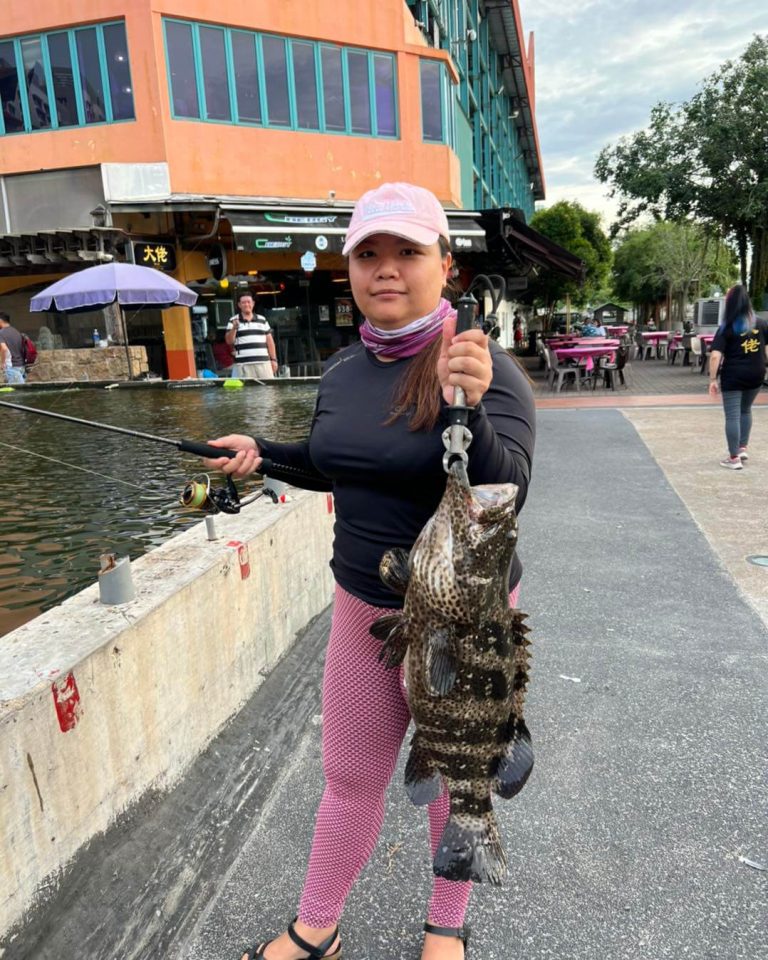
491 502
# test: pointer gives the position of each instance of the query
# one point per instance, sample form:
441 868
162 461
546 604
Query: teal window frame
288 42
71 34
446 100
500 173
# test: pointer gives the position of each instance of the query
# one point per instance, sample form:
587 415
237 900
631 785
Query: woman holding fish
376 443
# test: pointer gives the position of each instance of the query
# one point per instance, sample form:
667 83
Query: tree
578 231
707 160
672 259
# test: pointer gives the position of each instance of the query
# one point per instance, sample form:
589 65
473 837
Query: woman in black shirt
375 441
739 352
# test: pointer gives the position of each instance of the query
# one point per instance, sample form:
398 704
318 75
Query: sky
601 65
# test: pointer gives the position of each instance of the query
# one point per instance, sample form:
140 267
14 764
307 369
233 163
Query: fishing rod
186 446
457 436
198 493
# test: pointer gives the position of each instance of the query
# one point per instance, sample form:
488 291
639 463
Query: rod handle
205 450
465 313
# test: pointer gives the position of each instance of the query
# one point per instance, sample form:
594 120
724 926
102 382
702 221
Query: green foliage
706 159
675 258
577 230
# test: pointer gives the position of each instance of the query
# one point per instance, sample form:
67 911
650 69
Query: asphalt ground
641 832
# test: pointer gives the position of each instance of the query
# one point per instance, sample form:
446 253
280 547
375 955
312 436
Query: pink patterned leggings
365 718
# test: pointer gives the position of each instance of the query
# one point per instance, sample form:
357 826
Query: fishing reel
200 494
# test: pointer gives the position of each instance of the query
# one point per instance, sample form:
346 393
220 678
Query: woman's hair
417 394
738 310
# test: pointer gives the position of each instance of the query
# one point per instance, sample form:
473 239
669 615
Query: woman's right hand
713 389
247 460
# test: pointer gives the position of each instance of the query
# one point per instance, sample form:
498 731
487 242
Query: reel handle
205 450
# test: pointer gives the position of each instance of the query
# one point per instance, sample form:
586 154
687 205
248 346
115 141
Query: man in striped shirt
251 336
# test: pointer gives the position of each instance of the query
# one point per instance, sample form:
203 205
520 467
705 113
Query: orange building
225 141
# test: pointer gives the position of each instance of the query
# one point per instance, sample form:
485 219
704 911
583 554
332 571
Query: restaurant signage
320 230
154 254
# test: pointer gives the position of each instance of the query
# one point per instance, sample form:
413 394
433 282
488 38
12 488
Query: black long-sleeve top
388 480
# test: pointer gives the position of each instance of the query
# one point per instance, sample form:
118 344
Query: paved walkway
634 838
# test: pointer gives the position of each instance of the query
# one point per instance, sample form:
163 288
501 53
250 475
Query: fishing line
186 446
72 466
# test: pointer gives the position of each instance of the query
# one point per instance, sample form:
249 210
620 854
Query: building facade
226 142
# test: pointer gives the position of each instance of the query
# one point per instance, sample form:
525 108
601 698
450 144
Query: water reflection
57 520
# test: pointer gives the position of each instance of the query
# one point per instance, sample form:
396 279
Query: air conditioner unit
709 313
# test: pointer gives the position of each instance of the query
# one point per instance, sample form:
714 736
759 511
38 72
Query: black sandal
315 952
461 932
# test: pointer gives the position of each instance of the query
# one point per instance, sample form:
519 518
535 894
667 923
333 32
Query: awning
322 229
519 246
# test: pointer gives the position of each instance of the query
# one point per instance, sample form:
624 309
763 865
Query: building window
279 82
181 65
10 91
91 88
386 108
333 88
215 80
305 84
118 71
65 78
276 75
246 70
432 118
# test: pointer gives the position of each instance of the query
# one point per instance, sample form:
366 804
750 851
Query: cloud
602 65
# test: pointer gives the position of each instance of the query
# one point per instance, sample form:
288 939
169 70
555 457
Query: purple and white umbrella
127 283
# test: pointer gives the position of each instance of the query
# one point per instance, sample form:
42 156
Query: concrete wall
98 704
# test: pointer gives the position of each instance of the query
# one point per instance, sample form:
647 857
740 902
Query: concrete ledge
100 704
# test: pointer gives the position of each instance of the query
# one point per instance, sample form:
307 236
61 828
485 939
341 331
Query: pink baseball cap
402 209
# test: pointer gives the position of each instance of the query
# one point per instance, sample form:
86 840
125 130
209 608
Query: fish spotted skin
466 670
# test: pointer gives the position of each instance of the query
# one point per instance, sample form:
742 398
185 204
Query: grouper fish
466 670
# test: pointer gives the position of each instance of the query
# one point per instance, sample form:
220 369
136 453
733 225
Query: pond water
57 520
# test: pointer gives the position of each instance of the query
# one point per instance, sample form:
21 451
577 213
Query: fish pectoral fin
441 663
470 849
392 630
394 570
516 762
423 782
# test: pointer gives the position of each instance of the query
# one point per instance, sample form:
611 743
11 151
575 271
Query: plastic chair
696 350
560 373
674 347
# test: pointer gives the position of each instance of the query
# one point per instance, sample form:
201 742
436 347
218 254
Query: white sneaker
743 455
731 463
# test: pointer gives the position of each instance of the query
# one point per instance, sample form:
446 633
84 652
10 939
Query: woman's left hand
464 361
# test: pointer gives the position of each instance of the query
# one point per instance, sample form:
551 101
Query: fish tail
516 762
470 849
423 781
391 629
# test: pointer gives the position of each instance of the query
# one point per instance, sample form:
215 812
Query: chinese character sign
160 255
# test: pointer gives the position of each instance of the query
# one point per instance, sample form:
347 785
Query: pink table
585 353
617 331
655 337
583 342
